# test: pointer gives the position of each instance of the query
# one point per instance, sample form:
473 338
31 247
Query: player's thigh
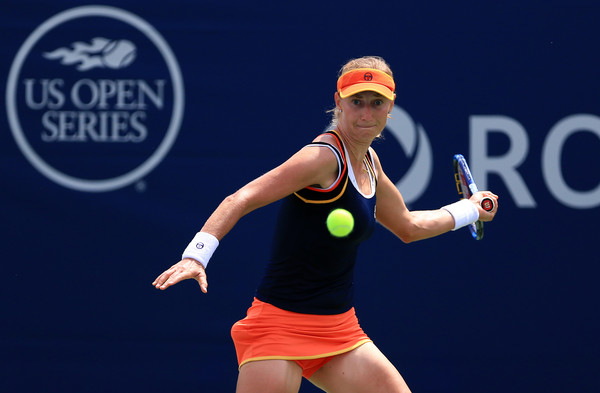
362 370
269 376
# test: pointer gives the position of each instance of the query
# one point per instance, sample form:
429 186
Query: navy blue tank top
310 271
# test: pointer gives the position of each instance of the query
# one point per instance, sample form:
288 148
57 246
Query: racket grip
488 204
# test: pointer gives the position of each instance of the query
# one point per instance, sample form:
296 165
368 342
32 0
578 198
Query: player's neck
356 147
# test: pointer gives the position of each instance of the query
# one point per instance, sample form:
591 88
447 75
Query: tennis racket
465 185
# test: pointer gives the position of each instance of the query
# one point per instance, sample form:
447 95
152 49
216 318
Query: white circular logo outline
416 145
157 156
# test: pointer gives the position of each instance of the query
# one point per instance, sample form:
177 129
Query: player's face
365 112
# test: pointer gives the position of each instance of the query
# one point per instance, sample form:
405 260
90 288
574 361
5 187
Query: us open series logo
95 98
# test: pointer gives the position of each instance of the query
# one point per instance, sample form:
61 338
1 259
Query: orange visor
366 79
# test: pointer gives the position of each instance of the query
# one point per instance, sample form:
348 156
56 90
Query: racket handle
488 204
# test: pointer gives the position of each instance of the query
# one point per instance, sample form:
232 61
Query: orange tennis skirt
310 340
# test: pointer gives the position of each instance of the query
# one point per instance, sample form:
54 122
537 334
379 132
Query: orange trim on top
331 188
338 196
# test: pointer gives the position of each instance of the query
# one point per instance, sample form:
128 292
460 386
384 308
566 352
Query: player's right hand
185 269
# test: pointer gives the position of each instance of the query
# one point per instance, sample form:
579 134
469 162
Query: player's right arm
309 166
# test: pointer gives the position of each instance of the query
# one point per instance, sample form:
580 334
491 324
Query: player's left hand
485 215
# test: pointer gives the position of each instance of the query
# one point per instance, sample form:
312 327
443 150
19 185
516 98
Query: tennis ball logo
340 222
99 53
118 54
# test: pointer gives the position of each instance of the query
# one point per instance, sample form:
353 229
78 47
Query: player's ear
391 107
337 99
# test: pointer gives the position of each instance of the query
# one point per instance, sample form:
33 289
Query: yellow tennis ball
340 222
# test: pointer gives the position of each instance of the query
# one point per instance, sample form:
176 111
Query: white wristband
201 248
464 213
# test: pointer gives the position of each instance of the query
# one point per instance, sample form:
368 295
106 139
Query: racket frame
466 187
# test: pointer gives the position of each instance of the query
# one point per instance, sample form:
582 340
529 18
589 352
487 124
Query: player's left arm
408 225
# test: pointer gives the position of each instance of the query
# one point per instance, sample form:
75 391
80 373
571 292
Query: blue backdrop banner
126 123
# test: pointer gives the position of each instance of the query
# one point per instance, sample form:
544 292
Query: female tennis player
302 321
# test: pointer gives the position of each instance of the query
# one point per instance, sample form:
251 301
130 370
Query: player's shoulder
373 154
327 140
327 137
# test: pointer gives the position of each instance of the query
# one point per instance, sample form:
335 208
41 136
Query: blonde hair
375 62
